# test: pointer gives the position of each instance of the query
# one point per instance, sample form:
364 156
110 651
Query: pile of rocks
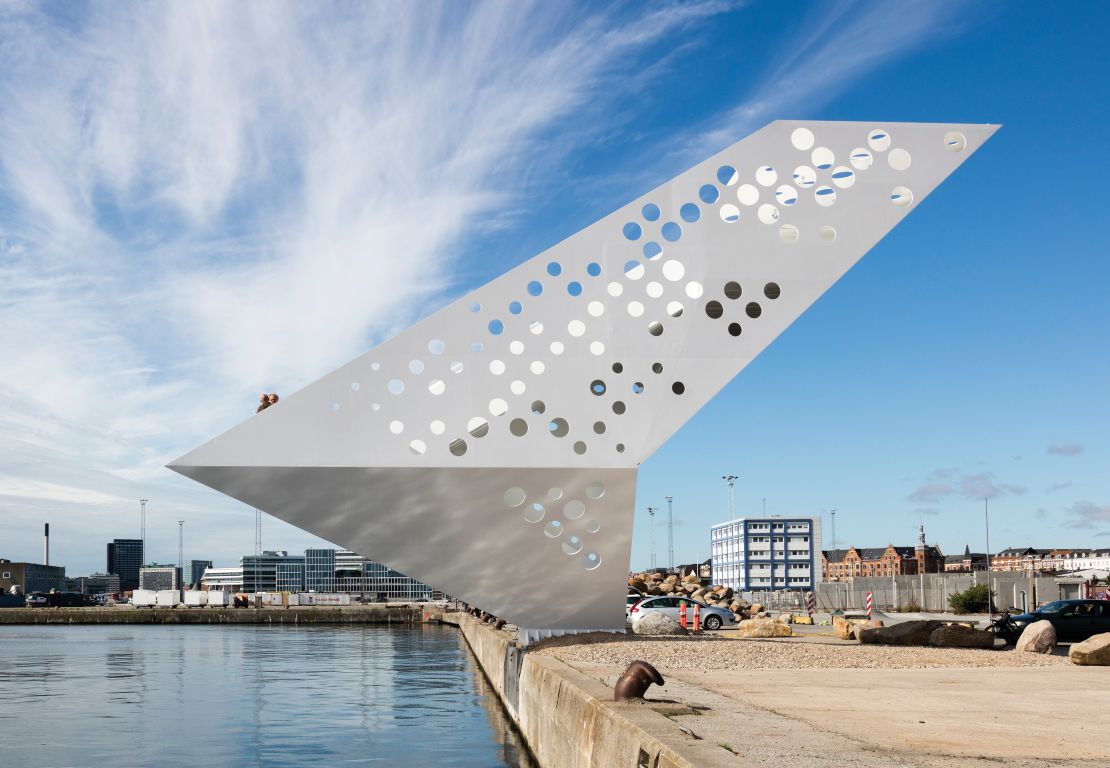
653 584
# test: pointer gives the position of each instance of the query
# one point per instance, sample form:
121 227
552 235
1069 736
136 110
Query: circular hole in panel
537 367
515 307
574 288
638 388
595 491
633 270
597 387
437 346
576 328
620 447
730 213
632 231
496 327
901 196
535 327
733 290
753 310
554 269
593 526
597 348
416 366
457 447
375 366
437 387
734 329
476 346
671 231
654 289
477 427
954 141
538 407
827 233
593 269
595 309
768 213
496 367
498 407
714 309
878 140
673 270
727 175
354 386
475 307
650 211
674 309
656 367
517 387
376 406
823 158
635 308
553 529
559 427
788 233
437 427
599 427
772 291
535 288
678 387
801 138
825 195
533 513
591 561
418 447
557 347
554 494
804 176
514 497
618 368
615 289
786 195
694 290
396 386
652 250
572 546
689 212
580 448
619 408
746 194
899 159
766 175
518 427
334 407
573 510
655 328
861 159
708 194
516 347
843 176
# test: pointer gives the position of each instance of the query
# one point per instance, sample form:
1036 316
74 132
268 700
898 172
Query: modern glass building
767 553
194 570
319 570
260 572
125 558
160 577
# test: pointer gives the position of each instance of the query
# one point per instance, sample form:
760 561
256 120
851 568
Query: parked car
1074 620
633 598
36 600
711 616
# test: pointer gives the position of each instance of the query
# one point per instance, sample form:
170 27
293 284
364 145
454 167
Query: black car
1074 620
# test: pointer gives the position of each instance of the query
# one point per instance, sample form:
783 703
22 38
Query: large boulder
692 578
1092 652
847 629
672 579
903 633
785 618
656 623
755 608
1038 637
803 620
961 636
763 628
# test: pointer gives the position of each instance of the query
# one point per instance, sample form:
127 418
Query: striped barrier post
870 605
697 618
682 613
811 604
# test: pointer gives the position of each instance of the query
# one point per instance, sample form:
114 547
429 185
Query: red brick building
864 562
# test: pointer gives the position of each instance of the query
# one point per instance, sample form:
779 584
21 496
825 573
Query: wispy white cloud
1065 449
949 483
1087 514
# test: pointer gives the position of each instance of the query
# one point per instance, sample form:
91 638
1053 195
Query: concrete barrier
569 720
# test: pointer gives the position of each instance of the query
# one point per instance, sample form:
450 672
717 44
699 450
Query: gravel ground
716 653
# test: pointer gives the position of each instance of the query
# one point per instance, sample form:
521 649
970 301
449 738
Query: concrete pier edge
568 719
371 614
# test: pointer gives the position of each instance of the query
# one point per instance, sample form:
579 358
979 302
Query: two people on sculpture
265 401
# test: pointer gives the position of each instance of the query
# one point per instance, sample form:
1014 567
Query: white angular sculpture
491 449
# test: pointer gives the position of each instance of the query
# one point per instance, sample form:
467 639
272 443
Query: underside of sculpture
491 449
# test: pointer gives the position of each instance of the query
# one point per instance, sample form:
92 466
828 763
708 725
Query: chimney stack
46 543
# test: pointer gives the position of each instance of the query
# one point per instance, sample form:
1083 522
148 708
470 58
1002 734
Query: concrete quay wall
569 719
370 614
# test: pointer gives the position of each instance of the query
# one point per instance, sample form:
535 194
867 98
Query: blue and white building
767 553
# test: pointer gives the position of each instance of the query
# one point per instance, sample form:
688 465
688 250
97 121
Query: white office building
767 553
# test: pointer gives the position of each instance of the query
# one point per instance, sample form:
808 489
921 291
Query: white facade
767 553
1077 560
229 579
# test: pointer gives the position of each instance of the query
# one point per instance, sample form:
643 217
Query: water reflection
231 695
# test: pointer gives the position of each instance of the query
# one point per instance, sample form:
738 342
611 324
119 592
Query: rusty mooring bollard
500 624
635 681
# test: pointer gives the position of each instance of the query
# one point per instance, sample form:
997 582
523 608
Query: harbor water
391 695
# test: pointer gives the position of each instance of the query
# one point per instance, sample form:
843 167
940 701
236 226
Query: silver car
711 616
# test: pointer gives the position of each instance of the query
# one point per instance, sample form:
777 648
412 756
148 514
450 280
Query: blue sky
199 202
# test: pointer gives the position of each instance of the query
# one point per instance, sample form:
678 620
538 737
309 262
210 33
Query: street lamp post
670 534
987 526
651 514
731 480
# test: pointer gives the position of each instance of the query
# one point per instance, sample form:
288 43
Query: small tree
974 599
